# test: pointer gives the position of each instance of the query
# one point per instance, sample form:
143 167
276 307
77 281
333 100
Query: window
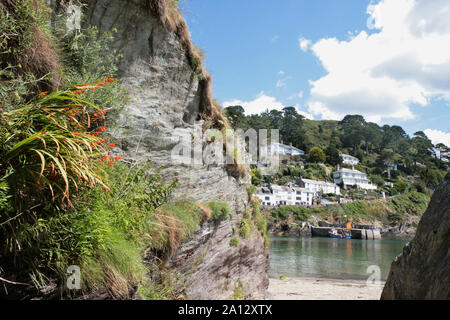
267 198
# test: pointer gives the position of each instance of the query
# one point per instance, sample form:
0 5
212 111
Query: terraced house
285 196
319 186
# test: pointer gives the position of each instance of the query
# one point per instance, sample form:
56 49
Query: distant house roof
303 190
290 149
319 182
349 156
349 171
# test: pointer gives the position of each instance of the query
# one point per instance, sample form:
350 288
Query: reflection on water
331 258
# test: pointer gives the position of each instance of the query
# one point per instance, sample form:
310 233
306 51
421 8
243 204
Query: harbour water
331 258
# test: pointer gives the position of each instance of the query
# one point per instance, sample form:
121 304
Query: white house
304 197
348 159
285 196
351 177
282 149
266 197
317 186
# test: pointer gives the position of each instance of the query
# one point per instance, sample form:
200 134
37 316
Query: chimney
353 167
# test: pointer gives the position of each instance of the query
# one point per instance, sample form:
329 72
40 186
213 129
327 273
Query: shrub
238 292
220 211
244 228
234 242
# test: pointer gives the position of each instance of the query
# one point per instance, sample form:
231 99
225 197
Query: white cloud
437 136
281 73
274 39
304 44
380 75
258 105
280 84
262 103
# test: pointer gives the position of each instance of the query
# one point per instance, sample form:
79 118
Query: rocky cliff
169 94
422 271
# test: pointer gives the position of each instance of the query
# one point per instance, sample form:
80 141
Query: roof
350 171
287 147
318 182
349 156
303 190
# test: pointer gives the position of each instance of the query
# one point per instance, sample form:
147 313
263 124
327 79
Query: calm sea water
331 258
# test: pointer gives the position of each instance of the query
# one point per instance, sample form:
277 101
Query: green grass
220 211
392 210
234 242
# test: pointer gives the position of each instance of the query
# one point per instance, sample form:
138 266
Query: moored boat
340 234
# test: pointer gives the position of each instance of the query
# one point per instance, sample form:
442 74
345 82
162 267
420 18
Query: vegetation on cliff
66 197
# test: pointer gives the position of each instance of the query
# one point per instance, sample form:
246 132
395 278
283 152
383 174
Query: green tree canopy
316 155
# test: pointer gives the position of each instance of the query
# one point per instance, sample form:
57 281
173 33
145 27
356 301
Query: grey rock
422 271
165 96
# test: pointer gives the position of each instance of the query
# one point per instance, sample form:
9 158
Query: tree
443 151
236 116
431 177
333 156
256 177
316 155
387 157
353 129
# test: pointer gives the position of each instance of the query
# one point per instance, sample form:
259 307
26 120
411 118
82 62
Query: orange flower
66 109
110 80
43 94
111 163
79 91
118 158
112 144
101 84
94 89
101 129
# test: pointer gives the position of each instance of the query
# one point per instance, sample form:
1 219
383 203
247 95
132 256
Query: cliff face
165 98
423 270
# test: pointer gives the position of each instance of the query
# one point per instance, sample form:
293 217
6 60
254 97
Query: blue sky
354 58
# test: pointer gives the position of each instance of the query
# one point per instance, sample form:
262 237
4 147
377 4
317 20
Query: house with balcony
319 186
348 159
350 177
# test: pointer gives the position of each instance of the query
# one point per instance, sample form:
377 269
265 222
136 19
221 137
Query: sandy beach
323 289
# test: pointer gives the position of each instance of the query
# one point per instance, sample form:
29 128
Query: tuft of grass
220 211
234 242
238 291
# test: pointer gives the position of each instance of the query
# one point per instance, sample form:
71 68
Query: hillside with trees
387 153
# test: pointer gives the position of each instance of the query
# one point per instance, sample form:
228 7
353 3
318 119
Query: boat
339 234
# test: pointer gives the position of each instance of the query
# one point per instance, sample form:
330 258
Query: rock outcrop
422 271
166 93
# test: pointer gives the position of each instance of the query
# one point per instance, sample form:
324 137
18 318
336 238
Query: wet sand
323 289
